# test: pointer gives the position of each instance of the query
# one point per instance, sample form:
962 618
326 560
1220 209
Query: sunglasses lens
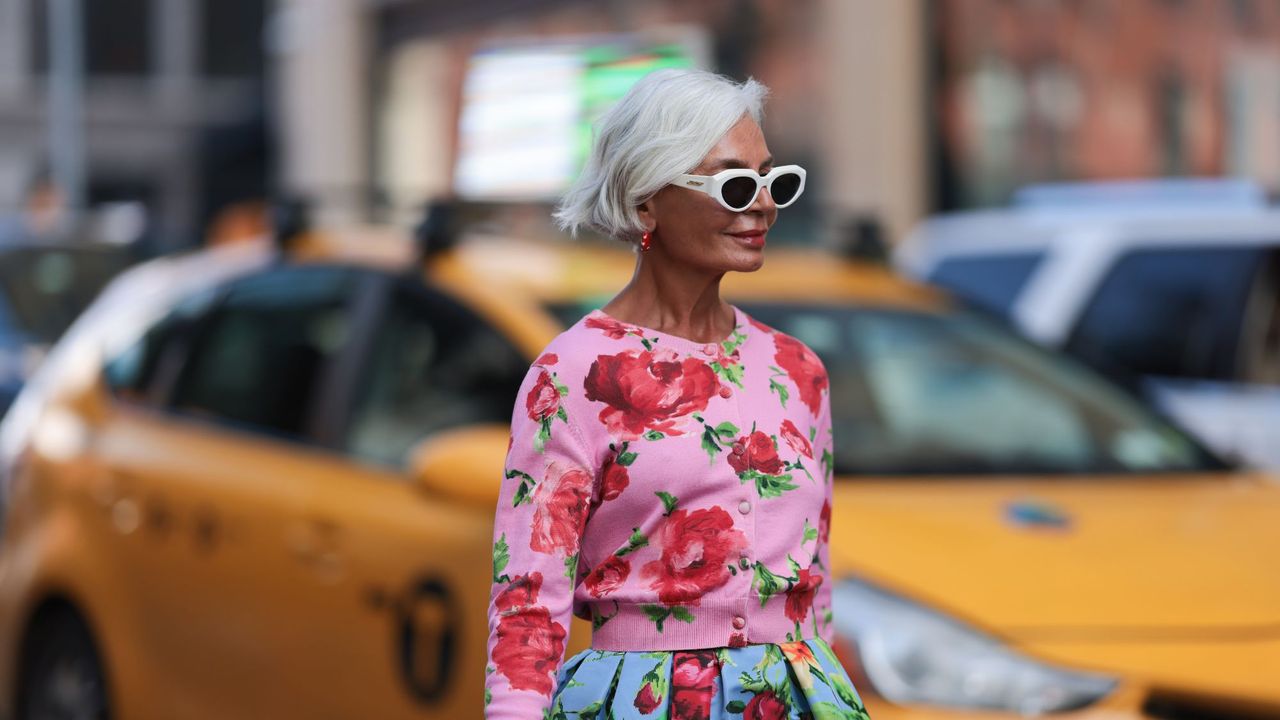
784 188
739 192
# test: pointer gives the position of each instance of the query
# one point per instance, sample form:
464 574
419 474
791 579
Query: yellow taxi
251 486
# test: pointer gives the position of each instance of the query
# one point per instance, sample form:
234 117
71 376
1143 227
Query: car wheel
62 676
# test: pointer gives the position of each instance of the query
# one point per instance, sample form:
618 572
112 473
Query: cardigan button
744 507
739 622
709 349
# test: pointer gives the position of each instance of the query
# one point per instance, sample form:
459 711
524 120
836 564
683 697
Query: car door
408 615
207 470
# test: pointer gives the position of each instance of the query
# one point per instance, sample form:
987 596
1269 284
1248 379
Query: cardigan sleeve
545 499
826 453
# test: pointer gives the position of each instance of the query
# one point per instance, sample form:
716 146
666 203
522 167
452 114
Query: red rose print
696 547
544 399
547 359
648 390
755 452
824 522
737 640
804 368
693 683
800 596
614 480
765 706
520 592
528 649
798 442
647 700
607 576
612 328
529 645
561 503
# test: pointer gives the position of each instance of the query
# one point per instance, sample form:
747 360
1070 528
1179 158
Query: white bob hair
661 129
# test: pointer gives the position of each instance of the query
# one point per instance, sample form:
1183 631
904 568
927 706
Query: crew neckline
739 320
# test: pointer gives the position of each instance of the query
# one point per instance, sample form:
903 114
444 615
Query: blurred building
371 93
171 112
1042 90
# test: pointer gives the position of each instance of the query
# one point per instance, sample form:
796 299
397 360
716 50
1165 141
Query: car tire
61 674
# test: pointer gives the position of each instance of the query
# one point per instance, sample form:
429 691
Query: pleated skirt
801 679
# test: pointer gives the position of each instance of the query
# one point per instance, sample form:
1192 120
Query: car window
1260 334
915 392
133 373
46 288
433 365
259 357
1174 312
990 282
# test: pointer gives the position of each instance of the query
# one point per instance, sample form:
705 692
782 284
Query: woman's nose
764 202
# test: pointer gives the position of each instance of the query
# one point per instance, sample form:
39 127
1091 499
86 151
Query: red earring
646 241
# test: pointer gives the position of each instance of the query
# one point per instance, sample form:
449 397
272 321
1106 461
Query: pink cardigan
676 493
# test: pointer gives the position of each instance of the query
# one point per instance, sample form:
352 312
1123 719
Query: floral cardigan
675 493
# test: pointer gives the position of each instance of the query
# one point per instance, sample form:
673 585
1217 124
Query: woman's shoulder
783 343
572 351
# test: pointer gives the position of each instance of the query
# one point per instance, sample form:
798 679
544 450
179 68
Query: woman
669 473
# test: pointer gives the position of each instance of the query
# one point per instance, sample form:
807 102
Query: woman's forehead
742 147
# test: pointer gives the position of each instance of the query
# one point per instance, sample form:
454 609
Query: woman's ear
648 214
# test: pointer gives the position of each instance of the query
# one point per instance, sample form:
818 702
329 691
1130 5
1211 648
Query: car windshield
43 289
918 393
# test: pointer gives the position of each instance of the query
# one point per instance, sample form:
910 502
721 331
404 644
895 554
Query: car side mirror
463 464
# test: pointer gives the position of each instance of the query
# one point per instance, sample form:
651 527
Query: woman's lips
751 238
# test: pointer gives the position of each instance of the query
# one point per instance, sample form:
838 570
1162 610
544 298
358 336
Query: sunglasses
736 189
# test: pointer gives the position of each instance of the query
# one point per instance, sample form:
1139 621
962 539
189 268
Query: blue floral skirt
801 679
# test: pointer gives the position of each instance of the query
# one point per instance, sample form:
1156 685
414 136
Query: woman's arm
548 484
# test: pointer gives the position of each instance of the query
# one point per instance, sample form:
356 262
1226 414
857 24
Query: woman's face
692 228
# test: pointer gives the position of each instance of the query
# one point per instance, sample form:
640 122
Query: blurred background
1096 179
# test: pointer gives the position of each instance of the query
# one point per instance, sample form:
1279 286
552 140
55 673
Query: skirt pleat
802 680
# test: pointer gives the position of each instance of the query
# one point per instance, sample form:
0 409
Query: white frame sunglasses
713 185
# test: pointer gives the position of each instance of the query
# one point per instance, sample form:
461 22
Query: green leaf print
810 532
544 434
753 682
635 542
828 464
682 614
656 613
669 501
560 413
830 711
767 583
795 566
526 486
571 566
768 486
653 435
625 458
731 372
501 556
727 431
709 444
781 390
591 711
488 697
737 338
813 433
736 707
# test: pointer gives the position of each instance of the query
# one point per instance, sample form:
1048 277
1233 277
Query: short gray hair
664 126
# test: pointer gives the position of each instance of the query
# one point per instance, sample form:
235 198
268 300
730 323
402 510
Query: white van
1174 285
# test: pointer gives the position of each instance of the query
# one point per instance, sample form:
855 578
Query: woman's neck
674 299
